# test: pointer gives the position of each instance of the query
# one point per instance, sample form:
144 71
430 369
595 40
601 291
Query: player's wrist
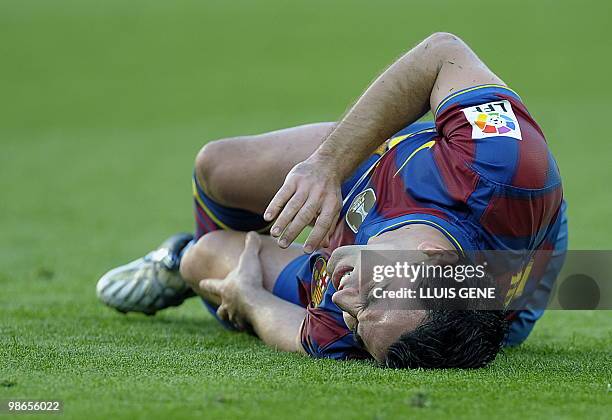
327 163
252 300
339 157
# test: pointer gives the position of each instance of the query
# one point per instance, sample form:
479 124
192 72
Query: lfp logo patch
493 119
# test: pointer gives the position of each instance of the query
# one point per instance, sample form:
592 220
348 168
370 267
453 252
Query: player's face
374 323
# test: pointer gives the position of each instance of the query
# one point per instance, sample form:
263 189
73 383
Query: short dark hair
455 333
450 339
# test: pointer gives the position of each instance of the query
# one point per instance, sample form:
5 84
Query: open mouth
340 274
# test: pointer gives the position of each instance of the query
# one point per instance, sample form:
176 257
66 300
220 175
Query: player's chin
349 320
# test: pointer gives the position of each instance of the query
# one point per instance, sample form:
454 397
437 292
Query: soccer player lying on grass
480 177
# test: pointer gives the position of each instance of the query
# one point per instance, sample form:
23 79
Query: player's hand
239 284
311 193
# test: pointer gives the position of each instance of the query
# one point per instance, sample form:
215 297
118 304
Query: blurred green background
104 105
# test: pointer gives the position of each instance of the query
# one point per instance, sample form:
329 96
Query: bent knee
212 256
211 169
187 267
196 262
207 163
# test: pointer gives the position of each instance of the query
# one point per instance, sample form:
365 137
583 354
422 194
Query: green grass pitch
103 107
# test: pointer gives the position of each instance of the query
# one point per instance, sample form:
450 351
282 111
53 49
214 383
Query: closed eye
370 298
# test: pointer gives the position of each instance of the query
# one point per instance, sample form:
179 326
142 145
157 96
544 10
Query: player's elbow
441 46
443 43
439 38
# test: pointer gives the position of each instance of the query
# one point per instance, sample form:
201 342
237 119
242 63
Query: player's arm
275 321
244 301
417 82
413 85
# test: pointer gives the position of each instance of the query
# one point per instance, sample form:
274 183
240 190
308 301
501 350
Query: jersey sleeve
519 192
494 133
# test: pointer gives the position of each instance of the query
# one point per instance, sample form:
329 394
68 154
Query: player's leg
217 253
233 180
245 172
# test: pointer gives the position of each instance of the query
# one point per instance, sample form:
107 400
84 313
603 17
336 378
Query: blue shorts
287 282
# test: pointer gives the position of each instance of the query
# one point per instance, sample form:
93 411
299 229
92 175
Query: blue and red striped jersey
481 173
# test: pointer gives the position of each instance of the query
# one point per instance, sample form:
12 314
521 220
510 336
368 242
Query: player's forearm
275 321
398 97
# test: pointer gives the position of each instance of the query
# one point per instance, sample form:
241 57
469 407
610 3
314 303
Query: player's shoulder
504 143
477 95
483 112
